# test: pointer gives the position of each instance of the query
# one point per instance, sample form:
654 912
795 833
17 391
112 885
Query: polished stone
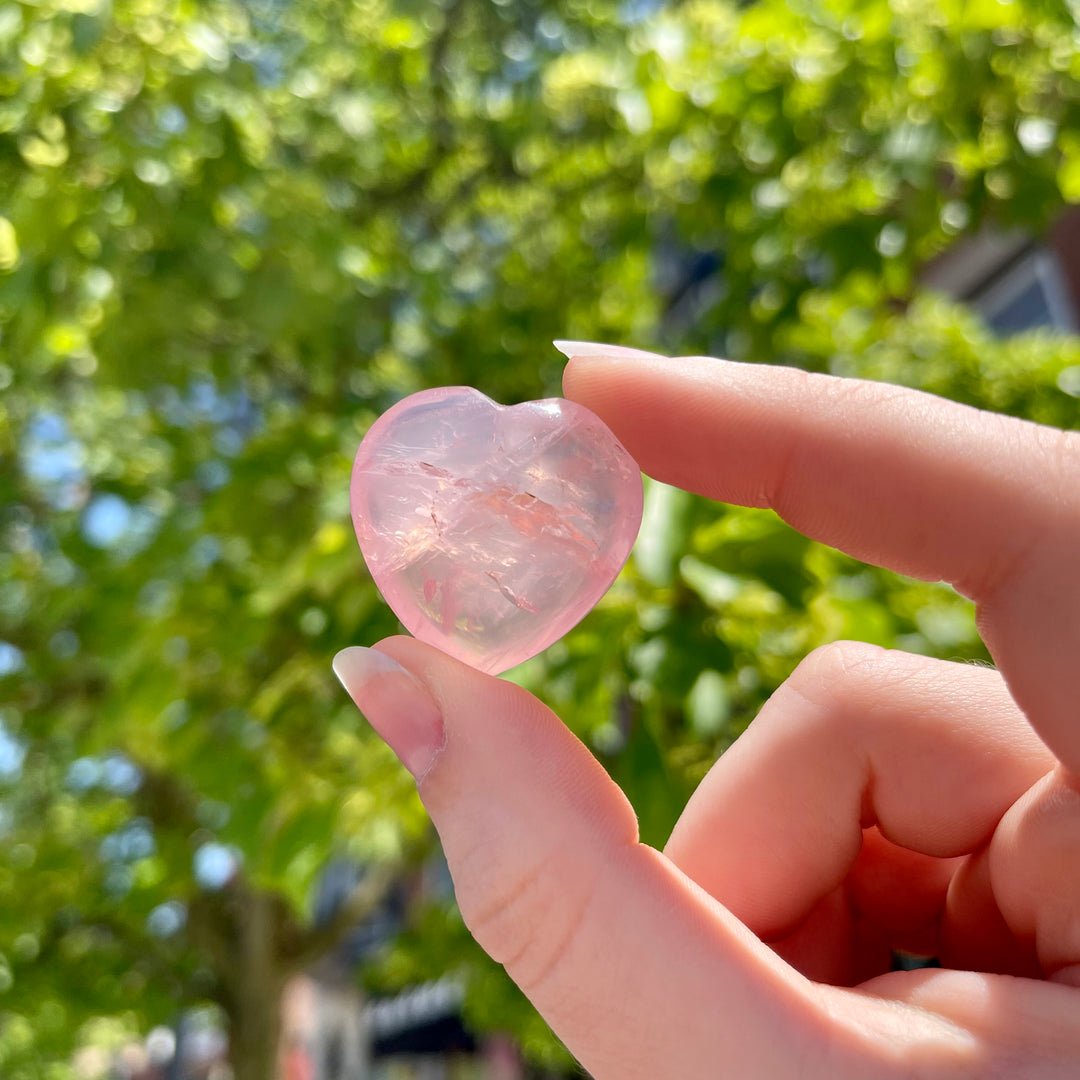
492 530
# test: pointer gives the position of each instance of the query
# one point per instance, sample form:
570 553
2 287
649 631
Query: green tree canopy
231 233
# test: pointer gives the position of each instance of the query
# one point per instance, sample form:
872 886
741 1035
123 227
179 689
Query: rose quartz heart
492 530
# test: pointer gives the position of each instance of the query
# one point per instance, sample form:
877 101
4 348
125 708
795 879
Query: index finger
893 476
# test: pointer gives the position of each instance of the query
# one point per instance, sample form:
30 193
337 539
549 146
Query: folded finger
1034 869
932 753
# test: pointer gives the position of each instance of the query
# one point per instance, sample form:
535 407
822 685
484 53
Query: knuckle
830 668
1034 865
526 915
1062 451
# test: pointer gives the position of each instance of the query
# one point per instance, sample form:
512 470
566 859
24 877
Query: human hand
879 800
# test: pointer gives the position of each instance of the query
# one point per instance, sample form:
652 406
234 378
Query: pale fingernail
570 349
397 705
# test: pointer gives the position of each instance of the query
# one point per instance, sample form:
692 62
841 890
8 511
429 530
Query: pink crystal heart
492 530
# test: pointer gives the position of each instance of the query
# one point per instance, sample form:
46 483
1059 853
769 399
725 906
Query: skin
880 800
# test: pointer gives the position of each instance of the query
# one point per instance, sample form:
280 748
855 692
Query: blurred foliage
232 232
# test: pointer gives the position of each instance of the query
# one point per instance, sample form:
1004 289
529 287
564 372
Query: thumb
639 972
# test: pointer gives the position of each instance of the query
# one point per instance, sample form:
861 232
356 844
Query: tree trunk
257 984
254 1037
255 947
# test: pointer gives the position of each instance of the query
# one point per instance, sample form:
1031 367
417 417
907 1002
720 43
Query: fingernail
570 349
397 705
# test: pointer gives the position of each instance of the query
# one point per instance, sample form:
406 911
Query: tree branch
412 185
363 901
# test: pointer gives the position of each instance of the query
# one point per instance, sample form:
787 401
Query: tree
232 234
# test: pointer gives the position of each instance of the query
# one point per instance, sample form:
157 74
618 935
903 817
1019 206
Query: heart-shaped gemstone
491 530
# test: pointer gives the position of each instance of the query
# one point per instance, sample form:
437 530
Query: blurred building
330 1032
1015 282
418 1034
